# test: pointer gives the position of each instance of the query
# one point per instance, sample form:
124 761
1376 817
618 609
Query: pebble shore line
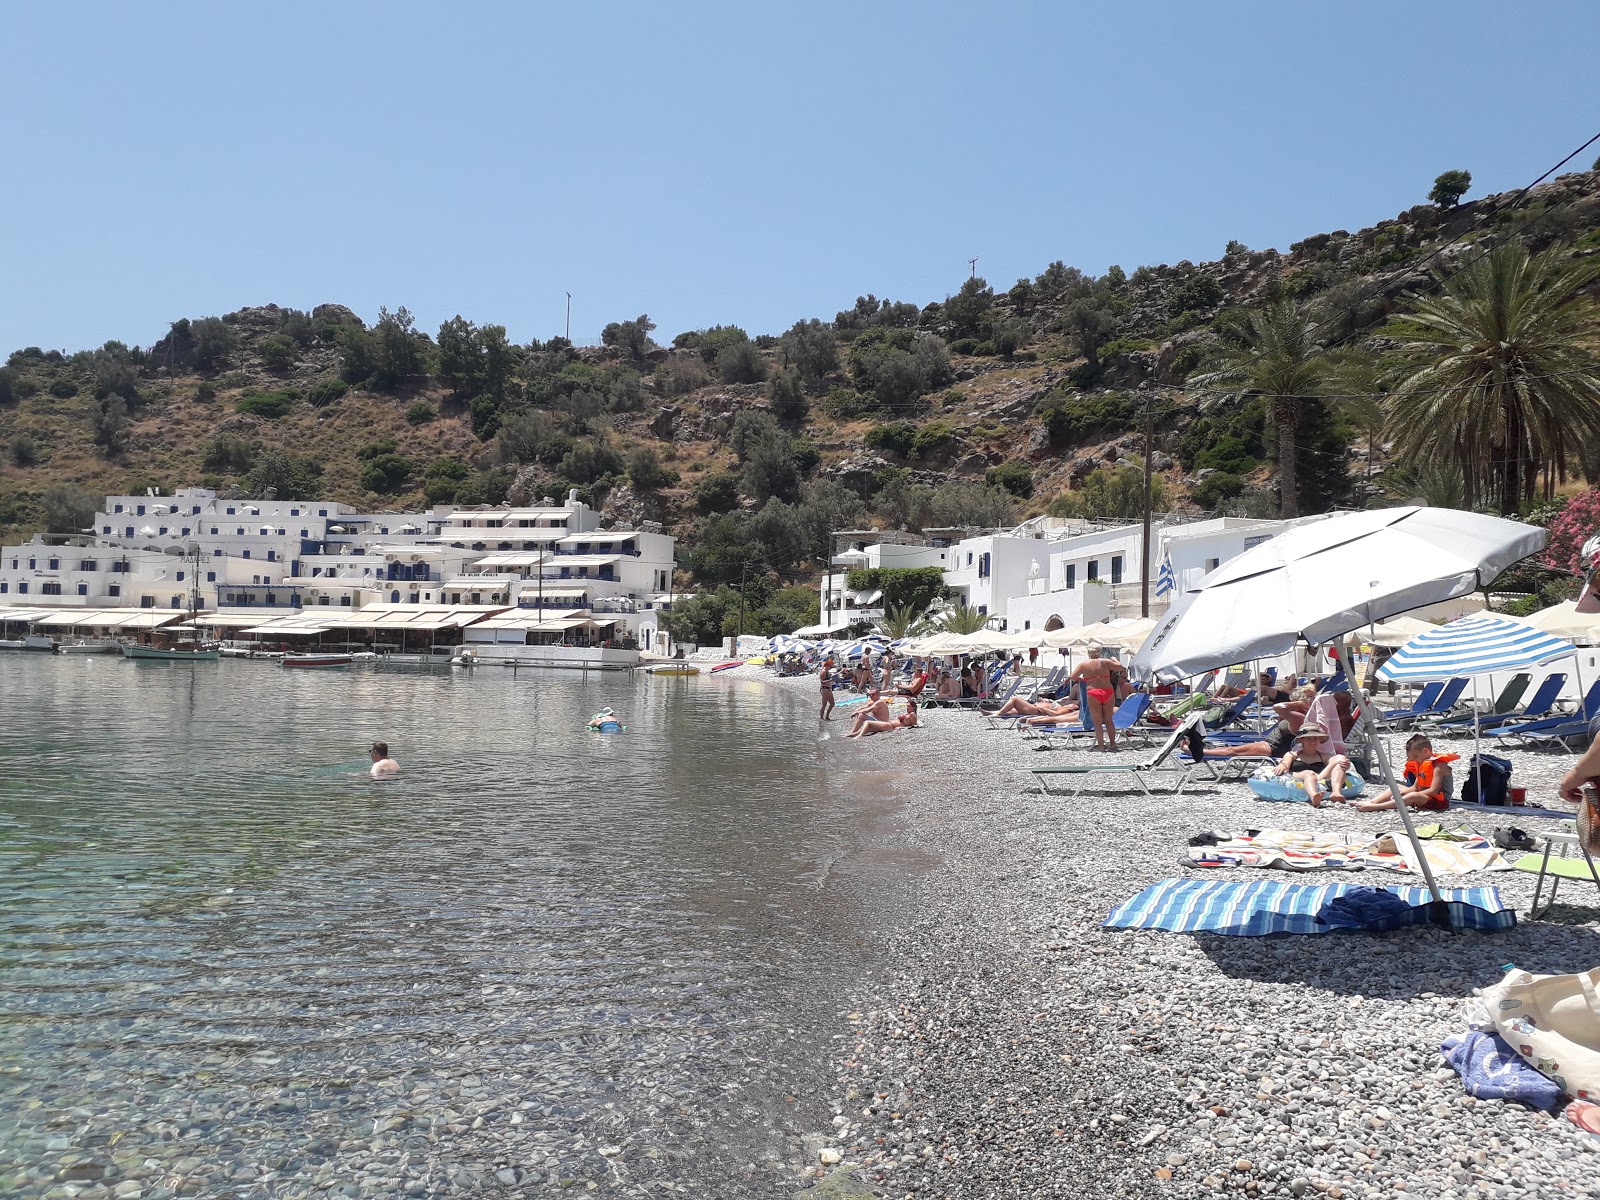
1026 1051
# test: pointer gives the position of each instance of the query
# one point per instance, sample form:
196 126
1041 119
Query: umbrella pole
1381 754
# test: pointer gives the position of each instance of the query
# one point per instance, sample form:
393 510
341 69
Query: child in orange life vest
1427 780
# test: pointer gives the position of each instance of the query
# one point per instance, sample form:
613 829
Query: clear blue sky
751 162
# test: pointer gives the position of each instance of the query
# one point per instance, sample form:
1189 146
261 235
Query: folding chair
1138 770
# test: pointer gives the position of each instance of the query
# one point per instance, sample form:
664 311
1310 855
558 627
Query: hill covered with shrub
978 408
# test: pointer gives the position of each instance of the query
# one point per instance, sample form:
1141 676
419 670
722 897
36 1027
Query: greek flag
1474 645
1166 581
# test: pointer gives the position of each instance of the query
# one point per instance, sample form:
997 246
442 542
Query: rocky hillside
982 405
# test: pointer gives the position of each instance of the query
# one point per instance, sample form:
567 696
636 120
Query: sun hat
1311 729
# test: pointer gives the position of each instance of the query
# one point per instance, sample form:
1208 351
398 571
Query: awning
585 560
25 615
558 590
288 629
531 558
230 620
112 618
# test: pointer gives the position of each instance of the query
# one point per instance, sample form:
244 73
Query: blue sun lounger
1542 704
1553 728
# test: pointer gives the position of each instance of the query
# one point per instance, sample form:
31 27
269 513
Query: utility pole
973 263
1144 554
742 567
569 316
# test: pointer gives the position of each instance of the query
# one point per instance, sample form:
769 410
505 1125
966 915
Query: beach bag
1485 779
1553 1022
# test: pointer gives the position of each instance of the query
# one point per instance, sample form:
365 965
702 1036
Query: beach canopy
1474 645
1318 581
1323 579
1396 631
1564 620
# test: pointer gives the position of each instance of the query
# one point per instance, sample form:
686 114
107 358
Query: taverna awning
25 616
113 618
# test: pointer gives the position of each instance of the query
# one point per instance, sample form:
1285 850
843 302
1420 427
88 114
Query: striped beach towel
1255 908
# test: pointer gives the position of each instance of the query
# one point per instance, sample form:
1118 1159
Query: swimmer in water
382 764
602 717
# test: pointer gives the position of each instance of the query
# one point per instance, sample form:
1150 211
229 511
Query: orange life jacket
1421 773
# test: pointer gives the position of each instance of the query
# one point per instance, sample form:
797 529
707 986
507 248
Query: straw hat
1311 729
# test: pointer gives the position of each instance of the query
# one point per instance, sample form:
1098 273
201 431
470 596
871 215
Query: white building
839 603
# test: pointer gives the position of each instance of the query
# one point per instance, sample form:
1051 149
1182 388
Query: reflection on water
235 965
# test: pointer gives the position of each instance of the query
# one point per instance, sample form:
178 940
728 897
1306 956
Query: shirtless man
1043 707
1100 676
382 764
905 720
875 709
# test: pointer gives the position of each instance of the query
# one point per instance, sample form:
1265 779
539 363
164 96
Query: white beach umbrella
1564 620
1319 581
1396 631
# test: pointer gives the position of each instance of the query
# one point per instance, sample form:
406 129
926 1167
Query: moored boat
34 641
91 648
317 660
159 654
672 669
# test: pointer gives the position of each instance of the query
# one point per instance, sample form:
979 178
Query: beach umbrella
1396 631
1564 620
1475 645
1320 580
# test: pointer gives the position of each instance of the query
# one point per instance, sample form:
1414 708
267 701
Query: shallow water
233 964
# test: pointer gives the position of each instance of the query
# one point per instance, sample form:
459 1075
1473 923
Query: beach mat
1509 810
1256 908
1565 868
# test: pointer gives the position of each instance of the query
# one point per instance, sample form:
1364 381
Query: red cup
1519 795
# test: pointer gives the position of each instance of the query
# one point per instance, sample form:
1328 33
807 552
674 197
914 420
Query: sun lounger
1443 705
1423 702
1552 728
1125 721
1235 714
1138 770
1543 702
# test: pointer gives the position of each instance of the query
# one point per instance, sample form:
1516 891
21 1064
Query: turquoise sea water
234 965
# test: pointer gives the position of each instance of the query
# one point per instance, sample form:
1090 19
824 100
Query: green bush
964 346
646 473
268 405
277 352
229 455
806 455
1014 476
24 386
8 383
1194 293
681 374
846 404
420 413
1117 347
931 439
917 587
23 452
376 449
1214 490
741 362
386 473
717 493
1185 359
1071 418
896 437
1230 453
326 391
63 389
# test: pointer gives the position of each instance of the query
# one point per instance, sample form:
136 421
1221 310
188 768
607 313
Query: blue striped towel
1255 908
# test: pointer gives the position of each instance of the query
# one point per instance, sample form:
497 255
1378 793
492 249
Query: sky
750 163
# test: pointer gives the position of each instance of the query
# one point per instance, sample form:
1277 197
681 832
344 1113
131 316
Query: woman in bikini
905 720
1101 677
1310 765
825 677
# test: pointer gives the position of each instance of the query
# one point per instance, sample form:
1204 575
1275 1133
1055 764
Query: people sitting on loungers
949 686
1274 744
1427 781
914 688
861 677
1018 707
905 720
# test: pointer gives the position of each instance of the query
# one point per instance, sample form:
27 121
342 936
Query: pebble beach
1023 1050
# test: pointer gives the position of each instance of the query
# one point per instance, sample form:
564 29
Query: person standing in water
382 764
826 677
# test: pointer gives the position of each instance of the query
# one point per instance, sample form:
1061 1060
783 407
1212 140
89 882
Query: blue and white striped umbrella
1474 645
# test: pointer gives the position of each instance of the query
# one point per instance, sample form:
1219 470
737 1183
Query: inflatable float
672 669
605 721
727 666
1283 788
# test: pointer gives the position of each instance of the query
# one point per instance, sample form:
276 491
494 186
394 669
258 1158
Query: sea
233 964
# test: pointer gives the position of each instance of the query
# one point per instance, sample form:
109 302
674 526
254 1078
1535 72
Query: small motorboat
160 654
317 660
90 648
34 641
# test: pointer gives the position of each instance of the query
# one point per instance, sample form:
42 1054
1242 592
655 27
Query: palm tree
903 620
1275 356
1360 383
1498 380
963 618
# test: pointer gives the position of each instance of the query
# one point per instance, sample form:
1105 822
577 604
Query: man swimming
382 764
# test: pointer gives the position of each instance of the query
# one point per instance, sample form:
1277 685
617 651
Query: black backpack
1486 779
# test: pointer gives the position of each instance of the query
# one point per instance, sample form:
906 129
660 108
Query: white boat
156 653
91 648
672 669
34 641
